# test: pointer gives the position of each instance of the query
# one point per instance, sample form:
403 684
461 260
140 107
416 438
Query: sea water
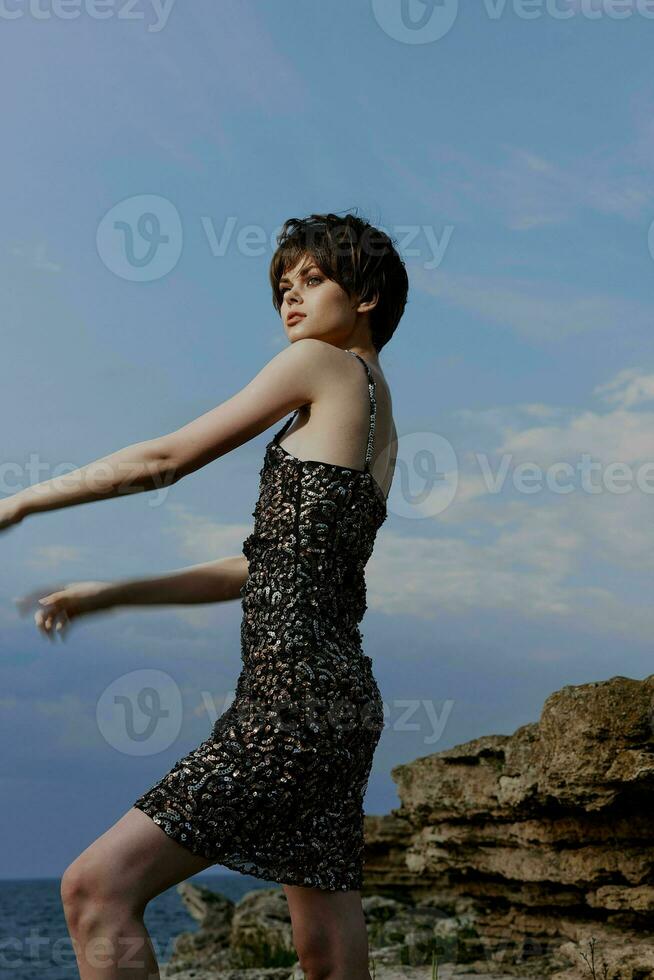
34 940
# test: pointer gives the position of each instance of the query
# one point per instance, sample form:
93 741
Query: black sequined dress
277 788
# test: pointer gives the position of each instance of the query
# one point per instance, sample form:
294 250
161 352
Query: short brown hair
362 259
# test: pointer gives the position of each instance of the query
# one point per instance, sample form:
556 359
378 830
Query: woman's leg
105 891
329 933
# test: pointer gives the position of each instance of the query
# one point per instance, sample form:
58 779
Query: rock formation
546 835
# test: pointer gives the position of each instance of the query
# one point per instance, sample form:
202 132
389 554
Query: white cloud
527 190
51 556
538 310
580 555
35 257
630 387
201 539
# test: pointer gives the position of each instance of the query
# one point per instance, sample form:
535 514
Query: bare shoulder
313 349
326 367
302 365
307 349
315 355
335 373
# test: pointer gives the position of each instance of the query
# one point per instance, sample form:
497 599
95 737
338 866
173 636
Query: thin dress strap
285 426
373 409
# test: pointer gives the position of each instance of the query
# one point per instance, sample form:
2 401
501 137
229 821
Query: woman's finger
62 624
44 620
51 602
29 602
51 599
53 615
42 623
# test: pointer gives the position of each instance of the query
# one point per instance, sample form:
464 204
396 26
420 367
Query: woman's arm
142 466
211 581
294 377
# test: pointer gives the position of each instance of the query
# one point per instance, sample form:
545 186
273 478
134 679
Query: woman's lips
295 318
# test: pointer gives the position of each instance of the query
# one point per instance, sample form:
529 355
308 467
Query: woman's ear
368 305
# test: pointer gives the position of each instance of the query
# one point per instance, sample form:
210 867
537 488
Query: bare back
334 428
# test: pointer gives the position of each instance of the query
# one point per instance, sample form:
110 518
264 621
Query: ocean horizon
34 940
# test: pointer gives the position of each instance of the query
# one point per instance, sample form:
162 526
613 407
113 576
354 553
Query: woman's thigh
134 859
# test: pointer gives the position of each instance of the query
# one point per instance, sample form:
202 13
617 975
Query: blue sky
511 157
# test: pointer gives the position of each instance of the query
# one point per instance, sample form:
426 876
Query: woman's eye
284 289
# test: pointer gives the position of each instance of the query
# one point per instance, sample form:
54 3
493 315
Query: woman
277 787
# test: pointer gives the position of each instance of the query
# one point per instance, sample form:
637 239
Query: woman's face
329 313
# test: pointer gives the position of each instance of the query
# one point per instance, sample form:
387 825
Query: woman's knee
78 882
316 965
314 951
82 882
90 891
131 863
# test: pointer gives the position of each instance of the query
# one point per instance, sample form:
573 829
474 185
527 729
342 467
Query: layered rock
548 834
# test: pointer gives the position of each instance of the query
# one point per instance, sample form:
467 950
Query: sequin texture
277 788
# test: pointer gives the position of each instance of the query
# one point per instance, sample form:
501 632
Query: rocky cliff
545 836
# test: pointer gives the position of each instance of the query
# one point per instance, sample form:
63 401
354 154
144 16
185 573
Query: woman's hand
10 513
58 609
